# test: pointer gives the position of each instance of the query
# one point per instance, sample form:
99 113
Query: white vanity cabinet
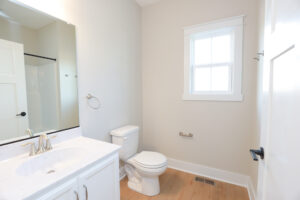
77 168
100 182
97 182
65 191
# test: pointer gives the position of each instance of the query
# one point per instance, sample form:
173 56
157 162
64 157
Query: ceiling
24 16
34 19
146 2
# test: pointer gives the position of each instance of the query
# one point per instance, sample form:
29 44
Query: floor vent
205 180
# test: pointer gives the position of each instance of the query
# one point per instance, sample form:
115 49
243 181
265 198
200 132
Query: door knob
259 152
22 114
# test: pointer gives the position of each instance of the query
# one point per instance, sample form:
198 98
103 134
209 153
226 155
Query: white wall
108 53
223 131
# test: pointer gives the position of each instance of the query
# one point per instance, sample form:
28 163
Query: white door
13 99
66 191
101 181
280 171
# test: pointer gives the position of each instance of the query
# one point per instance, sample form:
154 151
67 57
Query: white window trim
236 94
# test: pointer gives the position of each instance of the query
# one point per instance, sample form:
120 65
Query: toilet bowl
143 169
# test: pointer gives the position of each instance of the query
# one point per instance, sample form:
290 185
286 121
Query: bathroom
106 99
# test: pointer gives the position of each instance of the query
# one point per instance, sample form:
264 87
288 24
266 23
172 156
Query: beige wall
108 54
68 85
108 43
223 131
57 40
18 33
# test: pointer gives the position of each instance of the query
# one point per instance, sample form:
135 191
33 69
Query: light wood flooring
177 185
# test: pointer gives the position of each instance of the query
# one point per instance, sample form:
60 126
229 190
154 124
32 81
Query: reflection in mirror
38 76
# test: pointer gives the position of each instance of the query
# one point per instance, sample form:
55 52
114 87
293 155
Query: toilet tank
128 138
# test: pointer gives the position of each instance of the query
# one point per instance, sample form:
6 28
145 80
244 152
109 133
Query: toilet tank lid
123 131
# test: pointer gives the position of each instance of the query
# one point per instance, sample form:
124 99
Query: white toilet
142 169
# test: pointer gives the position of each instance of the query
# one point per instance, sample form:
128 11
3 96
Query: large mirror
38 73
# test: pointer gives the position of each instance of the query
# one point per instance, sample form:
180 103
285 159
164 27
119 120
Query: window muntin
211 62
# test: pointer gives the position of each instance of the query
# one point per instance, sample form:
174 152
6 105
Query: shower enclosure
42 86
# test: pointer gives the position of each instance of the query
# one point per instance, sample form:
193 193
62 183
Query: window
213 61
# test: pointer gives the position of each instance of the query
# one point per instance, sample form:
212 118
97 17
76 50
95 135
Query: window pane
221 49
220 78
202 79
202 54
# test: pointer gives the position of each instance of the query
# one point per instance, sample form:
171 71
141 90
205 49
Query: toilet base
145 185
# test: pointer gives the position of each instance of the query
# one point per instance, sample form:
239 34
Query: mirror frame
35 136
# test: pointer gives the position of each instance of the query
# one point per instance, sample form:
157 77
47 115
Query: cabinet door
101 182
66 191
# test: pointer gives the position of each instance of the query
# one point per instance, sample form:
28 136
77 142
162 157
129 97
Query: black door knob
260 152
22 114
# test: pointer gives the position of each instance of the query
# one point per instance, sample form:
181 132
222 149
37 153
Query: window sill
216 97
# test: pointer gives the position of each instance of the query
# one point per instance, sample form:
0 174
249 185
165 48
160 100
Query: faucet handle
32 148
48 145
41 147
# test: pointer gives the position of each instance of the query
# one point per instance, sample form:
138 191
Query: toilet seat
149 160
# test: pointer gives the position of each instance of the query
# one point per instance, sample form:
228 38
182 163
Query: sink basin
50 162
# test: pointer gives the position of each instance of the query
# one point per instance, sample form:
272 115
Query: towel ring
90 97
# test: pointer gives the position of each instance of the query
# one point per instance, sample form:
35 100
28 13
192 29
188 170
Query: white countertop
16 186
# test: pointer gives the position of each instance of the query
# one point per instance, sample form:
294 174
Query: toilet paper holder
182 134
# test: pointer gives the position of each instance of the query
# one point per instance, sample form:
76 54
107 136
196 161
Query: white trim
213 97
234 23
122 177
144 3
218 21
122 172
213 173
251 190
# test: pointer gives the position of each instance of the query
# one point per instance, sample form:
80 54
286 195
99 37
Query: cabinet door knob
77 196
86 192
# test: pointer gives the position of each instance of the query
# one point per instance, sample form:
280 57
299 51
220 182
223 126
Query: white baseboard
213 173
122 172
251 190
